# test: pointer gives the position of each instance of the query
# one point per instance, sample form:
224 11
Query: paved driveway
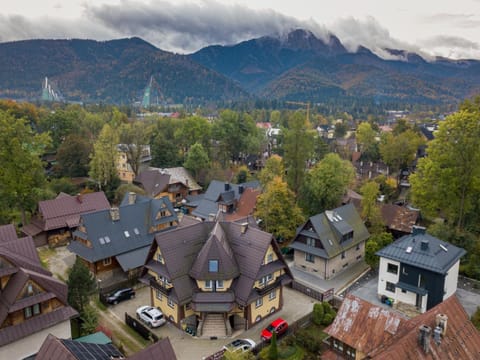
187 347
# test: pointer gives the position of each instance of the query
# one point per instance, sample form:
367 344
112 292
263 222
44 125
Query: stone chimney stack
115 213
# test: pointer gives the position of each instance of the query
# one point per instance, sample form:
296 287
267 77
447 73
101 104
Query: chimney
424 245
244 227
227 186
115 213
418 230
441 321
437 335
240 189
424 337
131 198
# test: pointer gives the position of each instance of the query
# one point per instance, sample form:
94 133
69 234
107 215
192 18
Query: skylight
102 240
409 249
127 234
107 239
136 231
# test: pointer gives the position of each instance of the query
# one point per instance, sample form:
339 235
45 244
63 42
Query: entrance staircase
214 325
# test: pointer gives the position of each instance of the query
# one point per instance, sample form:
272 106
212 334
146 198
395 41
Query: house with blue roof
418 271
114 243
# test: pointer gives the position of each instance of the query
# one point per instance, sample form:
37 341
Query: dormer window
347 236
213 266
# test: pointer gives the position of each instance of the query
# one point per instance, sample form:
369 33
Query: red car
279 326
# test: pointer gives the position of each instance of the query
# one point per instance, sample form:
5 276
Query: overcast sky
442 27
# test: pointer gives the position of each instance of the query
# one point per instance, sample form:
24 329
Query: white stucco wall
451 280
384 276
31 344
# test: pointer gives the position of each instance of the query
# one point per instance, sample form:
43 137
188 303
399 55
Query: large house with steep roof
330 242
114 243
222 273
362 330
32 302
418 270
58 218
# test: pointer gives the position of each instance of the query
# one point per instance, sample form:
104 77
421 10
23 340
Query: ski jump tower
48 94
149 93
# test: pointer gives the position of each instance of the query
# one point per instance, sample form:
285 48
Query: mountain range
297 66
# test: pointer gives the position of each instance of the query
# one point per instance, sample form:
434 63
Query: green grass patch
291 352
45 253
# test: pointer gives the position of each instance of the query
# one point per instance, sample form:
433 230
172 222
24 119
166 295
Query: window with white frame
107 261
219 284
159 258
310 242
259 302
208 284
171 303
269 258
273 294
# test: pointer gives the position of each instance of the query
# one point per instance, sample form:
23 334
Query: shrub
318 313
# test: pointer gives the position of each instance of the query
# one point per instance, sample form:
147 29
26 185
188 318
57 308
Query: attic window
213 265
135 230
107 239
102 240
127 234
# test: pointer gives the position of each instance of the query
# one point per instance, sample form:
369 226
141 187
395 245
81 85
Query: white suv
150 316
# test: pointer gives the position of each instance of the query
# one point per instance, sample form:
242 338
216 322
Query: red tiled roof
399 218
246 205
65 210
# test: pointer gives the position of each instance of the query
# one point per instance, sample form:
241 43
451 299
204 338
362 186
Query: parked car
120 295
279 326
240 345
150 316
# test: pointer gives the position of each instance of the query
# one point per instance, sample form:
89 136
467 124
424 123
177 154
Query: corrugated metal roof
365 326
438 257
7 232
133 259
399 218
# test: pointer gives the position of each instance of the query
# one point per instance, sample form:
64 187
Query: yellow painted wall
163 306
270 251
275 275
266 307
226 285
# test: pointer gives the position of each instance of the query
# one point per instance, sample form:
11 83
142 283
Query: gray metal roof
133 229
438 257
329 227
133 259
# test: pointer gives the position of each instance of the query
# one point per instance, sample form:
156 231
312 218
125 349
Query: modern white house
419 270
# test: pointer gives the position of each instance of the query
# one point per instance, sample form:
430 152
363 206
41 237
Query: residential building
114 243
215 277
58 218
418 270
32 302
124 169
220 197
330 242
176 183
362 330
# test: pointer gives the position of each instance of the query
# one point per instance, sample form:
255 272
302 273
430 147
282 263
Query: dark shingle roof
328 227
153 182
132 231
161 350
438 257
7 232
64 207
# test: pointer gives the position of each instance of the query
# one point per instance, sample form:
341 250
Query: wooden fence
315 294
